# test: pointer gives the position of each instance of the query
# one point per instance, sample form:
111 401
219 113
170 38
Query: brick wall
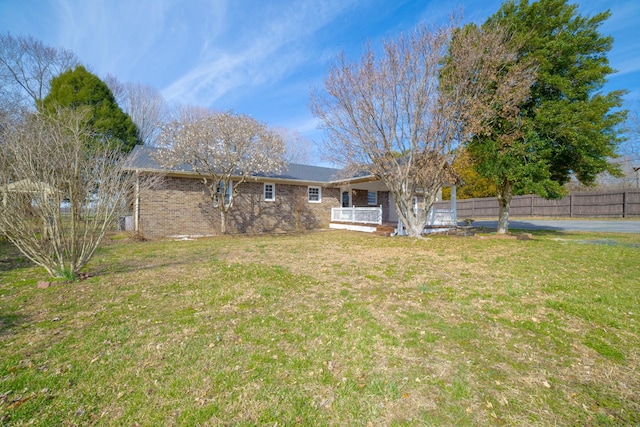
182 206
359 198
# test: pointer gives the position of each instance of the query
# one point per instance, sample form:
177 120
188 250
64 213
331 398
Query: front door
393 215
346 199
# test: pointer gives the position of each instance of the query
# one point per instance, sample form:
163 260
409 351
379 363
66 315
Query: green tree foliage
80 88
567 126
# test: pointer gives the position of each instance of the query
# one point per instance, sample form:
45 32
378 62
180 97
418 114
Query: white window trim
350 202
273 192
375 196
319 194
227 194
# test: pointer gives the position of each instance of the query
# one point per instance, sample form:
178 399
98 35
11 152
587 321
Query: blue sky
260 57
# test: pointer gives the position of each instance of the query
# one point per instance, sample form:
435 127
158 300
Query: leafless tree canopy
224 149
59 194
144 104
485 80
631 146
26 68
401 116
298 148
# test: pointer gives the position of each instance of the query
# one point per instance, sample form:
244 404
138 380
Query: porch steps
385 230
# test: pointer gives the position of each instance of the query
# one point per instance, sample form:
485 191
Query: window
315 195
372 198
221 189
269 192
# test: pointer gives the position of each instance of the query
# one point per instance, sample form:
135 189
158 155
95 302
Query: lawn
328 328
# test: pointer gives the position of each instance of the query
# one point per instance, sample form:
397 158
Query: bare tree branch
224 149
401 117
298 148
59 194
144 104
27 66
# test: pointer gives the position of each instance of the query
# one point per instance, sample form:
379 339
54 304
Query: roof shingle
141 158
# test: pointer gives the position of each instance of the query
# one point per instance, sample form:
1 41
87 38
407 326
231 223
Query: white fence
435 218
441 217
357 215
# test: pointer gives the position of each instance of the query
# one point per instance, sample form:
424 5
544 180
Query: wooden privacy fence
611 204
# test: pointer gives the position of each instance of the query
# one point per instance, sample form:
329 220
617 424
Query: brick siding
182 206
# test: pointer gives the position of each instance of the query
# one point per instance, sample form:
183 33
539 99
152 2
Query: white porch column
136 206
454 204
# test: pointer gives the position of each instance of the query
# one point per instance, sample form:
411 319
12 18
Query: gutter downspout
136 207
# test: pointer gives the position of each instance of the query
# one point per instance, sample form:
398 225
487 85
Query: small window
372 198
315 195
269 192
220 189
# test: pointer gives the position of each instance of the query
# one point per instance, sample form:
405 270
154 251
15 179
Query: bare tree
629 154
224 149
144 104
631 145
26 68
298 148
59 194
397 116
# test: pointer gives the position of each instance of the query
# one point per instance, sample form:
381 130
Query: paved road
611 226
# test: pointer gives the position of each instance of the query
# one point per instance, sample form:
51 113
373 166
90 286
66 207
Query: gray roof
141 158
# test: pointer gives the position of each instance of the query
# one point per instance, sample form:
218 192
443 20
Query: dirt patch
509 236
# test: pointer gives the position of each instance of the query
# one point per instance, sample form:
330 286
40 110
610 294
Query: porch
369 220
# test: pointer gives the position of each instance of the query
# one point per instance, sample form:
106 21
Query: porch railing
357 215
435 218
439 217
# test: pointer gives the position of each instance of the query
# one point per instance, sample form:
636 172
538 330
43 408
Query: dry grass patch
328 328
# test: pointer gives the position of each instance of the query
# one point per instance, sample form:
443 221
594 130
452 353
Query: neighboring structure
300 198
33 191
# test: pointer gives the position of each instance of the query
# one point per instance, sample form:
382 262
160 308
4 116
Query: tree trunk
412 220
505 193
414 229
223 221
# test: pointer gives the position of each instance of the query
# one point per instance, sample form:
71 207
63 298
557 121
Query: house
302 197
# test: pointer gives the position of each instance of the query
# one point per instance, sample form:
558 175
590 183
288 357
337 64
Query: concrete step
385 230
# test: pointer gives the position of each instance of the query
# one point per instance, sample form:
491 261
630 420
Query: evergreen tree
79 88
567 126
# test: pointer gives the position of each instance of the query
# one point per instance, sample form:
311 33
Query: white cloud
250 59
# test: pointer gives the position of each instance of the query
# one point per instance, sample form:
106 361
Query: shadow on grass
545 233
11 258
135 262
129 267
9 321
541 232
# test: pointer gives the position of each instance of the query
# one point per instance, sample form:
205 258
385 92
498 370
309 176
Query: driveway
610 226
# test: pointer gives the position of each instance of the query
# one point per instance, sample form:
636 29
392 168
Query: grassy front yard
328 328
